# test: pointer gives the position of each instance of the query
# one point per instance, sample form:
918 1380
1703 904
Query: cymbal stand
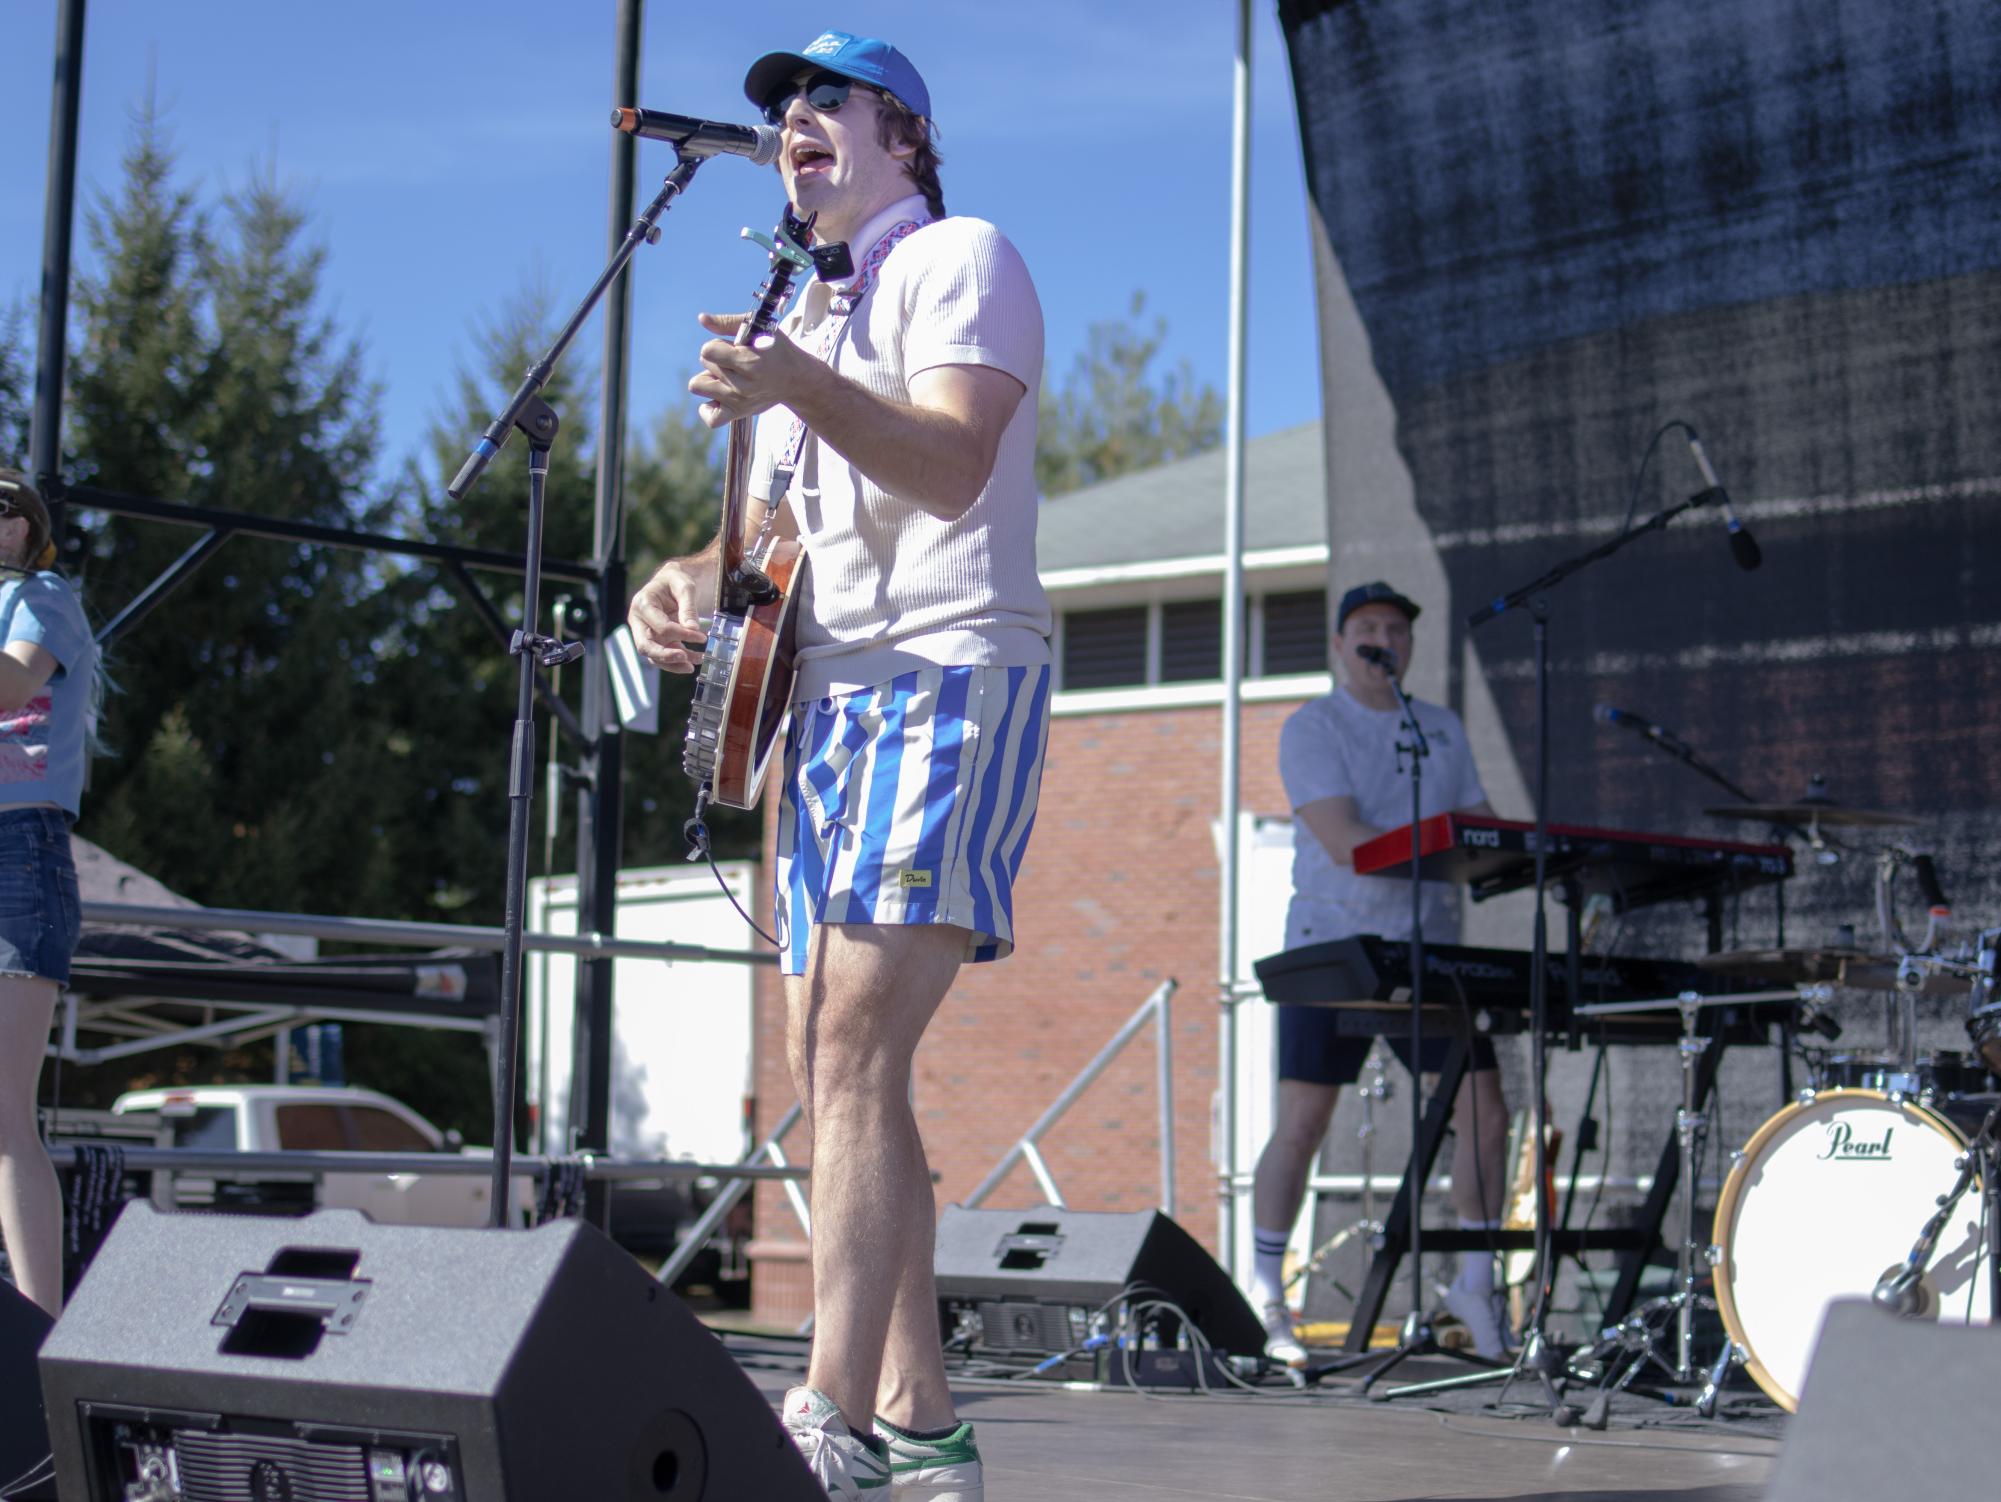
1638 1335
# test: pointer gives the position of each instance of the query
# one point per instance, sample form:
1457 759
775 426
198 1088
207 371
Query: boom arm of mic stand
1516 598
644 231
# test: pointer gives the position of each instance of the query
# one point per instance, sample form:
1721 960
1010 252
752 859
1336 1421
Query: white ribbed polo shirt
892 587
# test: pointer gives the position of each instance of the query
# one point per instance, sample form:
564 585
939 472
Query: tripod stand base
1416 1337
1537 1358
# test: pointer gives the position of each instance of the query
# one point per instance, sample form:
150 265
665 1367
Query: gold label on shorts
909 879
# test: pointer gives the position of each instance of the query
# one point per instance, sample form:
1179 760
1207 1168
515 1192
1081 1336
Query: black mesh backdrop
1565 221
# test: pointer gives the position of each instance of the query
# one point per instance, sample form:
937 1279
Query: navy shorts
40 916
1312 1048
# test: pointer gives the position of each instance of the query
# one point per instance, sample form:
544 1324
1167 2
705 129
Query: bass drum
1827 1197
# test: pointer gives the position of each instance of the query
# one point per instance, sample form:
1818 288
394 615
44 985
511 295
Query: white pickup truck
313 1118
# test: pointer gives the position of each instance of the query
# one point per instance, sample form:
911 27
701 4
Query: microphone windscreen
1744 548
1604 714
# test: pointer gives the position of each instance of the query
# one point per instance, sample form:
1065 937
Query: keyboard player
1347 783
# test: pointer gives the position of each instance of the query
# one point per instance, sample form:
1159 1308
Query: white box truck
682 1034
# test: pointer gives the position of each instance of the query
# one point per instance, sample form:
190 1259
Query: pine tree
16 389
206 374
1111 418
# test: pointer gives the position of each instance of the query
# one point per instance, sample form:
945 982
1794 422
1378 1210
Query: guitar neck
786 261
736 490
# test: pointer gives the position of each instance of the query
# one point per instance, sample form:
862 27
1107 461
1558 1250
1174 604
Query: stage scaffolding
599 796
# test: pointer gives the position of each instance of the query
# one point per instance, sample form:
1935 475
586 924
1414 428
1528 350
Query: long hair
896 124
21 498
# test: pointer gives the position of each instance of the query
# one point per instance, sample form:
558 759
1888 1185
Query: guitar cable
695 830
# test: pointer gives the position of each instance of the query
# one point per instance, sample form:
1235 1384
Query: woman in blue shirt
47 662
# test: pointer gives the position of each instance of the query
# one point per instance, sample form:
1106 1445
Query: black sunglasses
826 92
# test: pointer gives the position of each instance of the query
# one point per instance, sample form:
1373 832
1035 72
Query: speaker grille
257 1468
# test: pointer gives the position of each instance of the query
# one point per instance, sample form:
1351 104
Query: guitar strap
827 338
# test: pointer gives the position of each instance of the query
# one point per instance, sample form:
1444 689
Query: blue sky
452 155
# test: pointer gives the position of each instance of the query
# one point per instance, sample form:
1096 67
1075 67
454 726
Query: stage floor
1055 1445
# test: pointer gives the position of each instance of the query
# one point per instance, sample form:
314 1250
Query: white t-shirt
892 587
1337 747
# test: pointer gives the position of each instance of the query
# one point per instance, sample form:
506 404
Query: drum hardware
1903 1290
1937 1074
1983 1017
1638 1339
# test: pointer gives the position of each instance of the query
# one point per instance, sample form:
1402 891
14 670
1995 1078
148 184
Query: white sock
1268 1266
1476 1268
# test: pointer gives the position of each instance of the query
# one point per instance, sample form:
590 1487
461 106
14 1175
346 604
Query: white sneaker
933 1470
849 1468
1281 1343
1485 1317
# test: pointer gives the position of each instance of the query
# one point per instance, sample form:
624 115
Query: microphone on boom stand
692 137
1660 735
1743 546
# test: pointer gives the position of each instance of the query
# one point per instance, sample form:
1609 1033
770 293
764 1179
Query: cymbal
1793 966
1880 974
1827 815
1856 968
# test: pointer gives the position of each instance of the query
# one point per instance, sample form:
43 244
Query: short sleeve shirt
893 588
42 741
1338 747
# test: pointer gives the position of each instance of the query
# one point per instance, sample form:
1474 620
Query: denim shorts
40 915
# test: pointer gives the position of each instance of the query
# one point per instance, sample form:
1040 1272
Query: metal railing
742 1176
387 931
1156 1008
204 1160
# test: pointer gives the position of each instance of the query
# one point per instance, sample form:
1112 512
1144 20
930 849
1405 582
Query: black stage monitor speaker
1029 1282
1893 1403
24 1437
213 1358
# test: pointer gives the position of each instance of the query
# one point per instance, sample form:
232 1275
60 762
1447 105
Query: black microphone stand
1673 745
538 423
1539 1358
1415 1337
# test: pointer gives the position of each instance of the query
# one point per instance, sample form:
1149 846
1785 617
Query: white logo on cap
827 44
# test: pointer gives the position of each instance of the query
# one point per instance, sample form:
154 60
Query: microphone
1743 546
1382 657
1666 739
1901 1291
700 138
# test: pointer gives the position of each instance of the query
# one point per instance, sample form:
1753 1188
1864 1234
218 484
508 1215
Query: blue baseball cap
1377 593
863 59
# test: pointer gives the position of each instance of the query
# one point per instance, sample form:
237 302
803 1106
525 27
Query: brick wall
1118 893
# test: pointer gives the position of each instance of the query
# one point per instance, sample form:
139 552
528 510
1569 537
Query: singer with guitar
1347 783
895 441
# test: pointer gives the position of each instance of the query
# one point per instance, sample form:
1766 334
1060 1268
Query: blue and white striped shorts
912 802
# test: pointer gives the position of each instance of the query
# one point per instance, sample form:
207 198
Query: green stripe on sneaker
907 1453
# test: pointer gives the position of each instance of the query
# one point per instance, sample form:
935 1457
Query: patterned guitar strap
826 339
